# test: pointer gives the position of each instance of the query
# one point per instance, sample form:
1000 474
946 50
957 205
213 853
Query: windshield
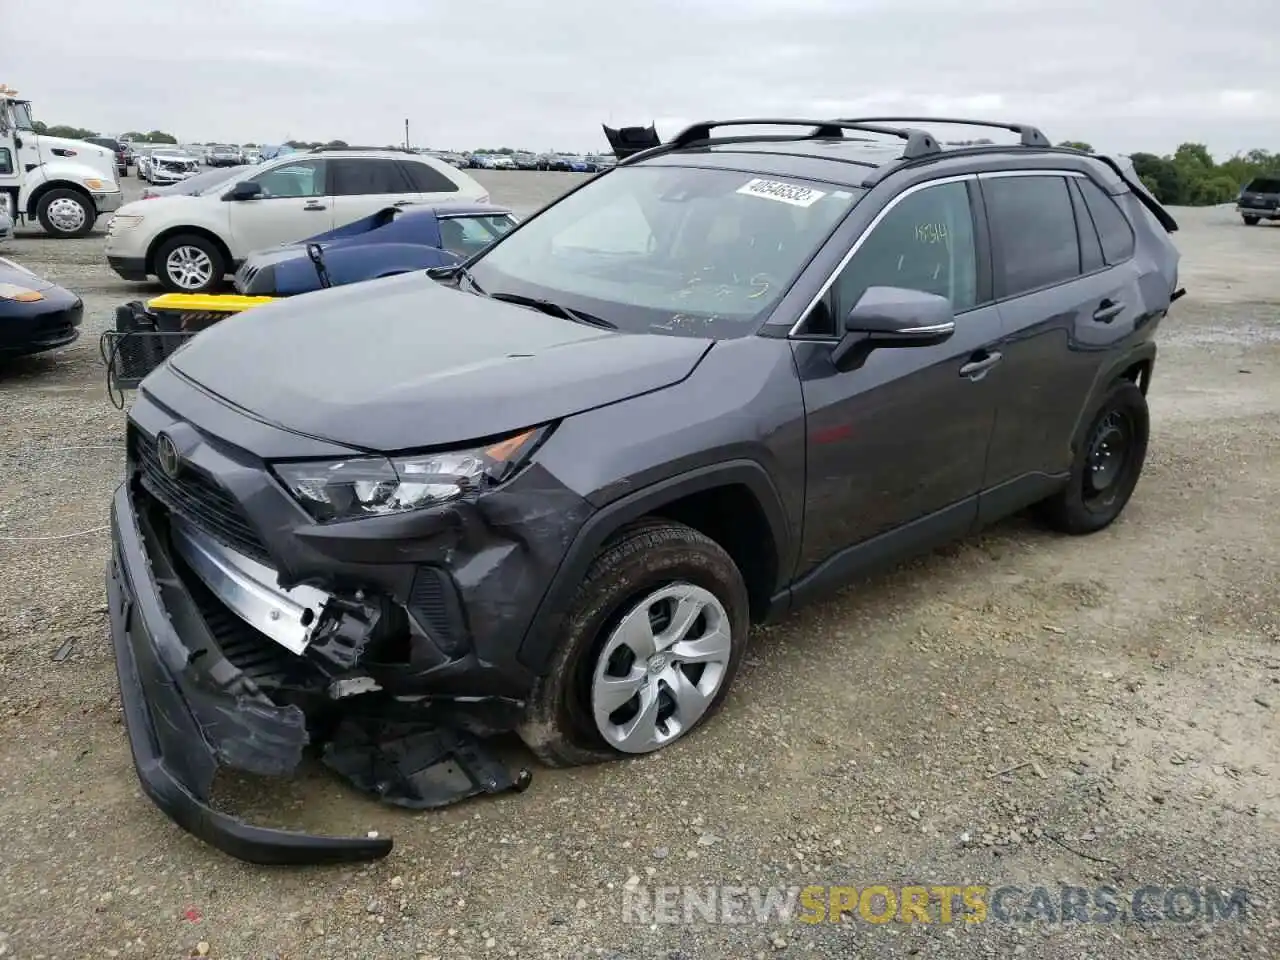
677 250
21 115
465 236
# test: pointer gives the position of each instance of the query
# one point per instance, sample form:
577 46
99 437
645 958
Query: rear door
362 186
1068 293
293 206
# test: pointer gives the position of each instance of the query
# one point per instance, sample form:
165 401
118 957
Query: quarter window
1033 219
925 242
427 179
302 179
1113 226
6 160
1090 248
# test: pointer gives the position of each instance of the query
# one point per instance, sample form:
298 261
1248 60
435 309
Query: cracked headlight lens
332 490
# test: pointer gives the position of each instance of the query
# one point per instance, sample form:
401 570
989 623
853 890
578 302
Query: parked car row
193 235
523 160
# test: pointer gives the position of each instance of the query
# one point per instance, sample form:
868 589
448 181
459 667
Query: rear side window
1263 185
1113 226
1090 248
427 179
1036 228
6 160
359 177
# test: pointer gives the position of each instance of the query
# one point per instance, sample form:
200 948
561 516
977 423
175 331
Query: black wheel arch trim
1141 354
544 631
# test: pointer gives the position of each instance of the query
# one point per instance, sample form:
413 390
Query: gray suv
549 490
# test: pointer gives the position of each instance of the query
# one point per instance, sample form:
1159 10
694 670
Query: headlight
332 490
11 291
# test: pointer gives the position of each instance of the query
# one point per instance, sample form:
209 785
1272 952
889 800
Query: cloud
1121 74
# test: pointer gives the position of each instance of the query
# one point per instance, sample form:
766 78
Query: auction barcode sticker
791 193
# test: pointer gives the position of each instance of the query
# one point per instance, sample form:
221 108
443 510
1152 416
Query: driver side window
302 179
925 242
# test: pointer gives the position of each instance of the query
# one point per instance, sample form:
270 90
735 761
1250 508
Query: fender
545 629
1109 373
56 172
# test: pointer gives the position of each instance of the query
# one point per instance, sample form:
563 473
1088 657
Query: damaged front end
222 666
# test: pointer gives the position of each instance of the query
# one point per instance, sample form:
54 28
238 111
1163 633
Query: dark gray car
551 490
1259 200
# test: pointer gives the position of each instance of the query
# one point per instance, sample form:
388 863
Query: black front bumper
188 711
28 328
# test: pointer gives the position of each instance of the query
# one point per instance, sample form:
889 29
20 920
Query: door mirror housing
892 317
244 190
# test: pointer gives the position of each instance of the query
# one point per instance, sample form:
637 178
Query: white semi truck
64 185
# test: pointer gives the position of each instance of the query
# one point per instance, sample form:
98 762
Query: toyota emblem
170 462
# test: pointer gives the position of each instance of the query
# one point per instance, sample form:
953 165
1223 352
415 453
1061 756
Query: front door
900 443
11 170
293 206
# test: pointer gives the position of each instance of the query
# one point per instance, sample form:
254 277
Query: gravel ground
1015 709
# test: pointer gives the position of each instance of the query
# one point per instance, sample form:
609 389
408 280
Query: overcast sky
1123 75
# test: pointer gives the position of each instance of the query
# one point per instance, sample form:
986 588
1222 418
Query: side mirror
244 190
892 317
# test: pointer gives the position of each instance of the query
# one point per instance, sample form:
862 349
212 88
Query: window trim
825 288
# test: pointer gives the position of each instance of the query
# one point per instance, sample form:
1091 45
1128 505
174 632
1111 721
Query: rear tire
653 576
1250 221
1107 466
189 263
66 213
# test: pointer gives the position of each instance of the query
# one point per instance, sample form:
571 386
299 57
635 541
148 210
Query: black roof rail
1030 136
918 142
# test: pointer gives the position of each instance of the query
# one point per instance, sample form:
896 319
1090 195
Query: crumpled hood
405 362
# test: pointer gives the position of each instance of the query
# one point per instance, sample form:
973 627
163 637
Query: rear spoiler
1123 167
628 141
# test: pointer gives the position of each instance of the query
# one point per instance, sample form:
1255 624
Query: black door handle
313 205
1108 310
977 367
403 203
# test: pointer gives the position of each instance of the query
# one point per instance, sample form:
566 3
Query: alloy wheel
189 267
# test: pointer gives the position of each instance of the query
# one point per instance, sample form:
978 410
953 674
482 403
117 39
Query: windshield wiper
556 310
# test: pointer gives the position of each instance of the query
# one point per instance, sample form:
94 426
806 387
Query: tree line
1190 176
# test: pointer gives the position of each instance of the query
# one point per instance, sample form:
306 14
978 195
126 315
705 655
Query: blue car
35 315
393 240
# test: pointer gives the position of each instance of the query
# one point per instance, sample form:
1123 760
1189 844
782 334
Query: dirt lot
1130 682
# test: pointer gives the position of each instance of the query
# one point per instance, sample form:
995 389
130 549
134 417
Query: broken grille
199 499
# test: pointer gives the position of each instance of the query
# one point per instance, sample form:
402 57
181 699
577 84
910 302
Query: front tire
190 264
653 639
66 213
1107 465
1250 221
